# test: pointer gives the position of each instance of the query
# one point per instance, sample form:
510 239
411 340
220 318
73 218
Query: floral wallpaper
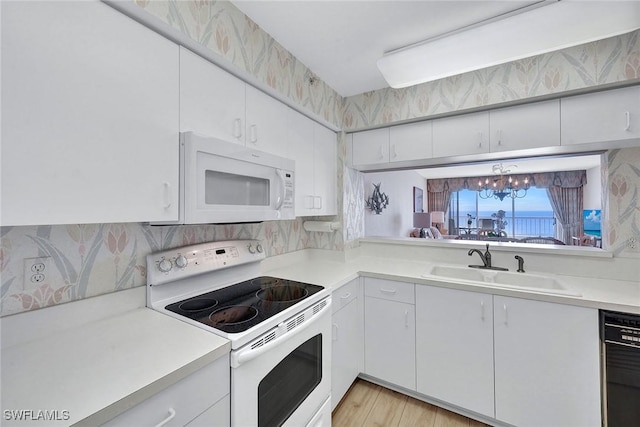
93 259
222 28
623 205
612 60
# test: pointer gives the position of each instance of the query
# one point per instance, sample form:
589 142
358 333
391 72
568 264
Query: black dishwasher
620 335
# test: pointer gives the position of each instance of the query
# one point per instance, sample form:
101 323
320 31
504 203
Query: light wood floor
367 404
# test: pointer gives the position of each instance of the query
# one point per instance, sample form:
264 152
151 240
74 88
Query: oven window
223 188
283 389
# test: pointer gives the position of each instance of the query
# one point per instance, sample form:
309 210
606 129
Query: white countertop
98 368
319 268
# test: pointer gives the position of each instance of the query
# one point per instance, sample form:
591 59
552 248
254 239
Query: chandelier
502 185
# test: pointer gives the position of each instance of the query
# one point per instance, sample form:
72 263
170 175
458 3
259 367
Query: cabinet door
547 366
347 349
266 123
413 141
525 126
603 116
461 135
301 150
212 101
389 341
371 147
89 116
219 415
454 347
185 402
325 171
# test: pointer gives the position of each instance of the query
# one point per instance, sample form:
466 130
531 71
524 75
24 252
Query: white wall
593 189
397 219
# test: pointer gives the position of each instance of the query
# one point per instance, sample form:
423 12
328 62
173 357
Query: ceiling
340 41
530 165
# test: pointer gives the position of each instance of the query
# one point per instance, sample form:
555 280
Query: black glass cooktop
239 307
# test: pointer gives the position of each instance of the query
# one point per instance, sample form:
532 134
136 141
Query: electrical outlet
36 271
633 244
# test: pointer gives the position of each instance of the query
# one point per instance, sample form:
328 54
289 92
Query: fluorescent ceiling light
544 29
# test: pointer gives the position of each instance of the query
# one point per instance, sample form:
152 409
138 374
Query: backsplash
93 259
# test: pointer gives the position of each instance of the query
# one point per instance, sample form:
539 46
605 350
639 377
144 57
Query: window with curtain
551 212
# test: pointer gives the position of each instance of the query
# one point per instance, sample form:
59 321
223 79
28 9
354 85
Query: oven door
287 381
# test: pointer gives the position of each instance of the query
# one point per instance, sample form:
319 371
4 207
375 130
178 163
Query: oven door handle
247 353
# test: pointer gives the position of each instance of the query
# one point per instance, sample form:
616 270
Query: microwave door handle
280 200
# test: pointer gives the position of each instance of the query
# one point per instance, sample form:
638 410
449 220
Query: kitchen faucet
486 260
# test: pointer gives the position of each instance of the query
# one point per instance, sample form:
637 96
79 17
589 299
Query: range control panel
180 263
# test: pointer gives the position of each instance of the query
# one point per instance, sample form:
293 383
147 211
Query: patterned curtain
438 200
564 179
567 206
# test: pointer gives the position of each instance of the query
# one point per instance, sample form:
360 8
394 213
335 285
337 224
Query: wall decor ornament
378 200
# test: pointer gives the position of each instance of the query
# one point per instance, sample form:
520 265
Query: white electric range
280 330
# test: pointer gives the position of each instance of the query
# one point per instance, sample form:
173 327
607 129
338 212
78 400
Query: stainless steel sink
503 279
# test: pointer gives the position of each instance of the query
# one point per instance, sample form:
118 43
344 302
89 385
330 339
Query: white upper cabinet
603 116
547 363
266 126
314 149
371 147
461 135
525 126
212 101
454 347
89 116
301 150
325 171
412 141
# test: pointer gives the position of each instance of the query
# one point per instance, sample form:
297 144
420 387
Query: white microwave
225 182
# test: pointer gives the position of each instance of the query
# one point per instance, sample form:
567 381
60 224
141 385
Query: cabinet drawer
183 401
345 294
389 290
219 415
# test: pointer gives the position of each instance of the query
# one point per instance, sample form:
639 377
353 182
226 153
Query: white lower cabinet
389 333
537 363
454 347
347 345
200 399
547 367
518 361
219 415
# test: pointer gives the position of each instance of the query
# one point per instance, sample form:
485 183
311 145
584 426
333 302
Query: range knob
259 248
164 266
251 249
181 261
